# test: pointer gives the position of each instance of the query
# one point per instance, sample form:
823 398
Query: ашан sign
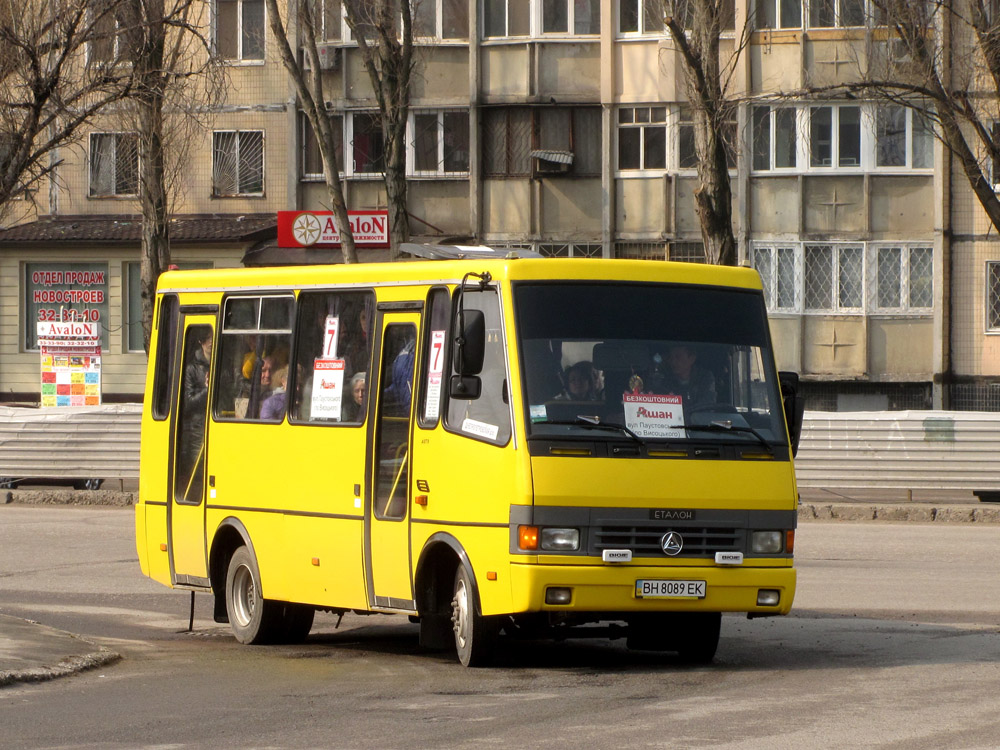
319 228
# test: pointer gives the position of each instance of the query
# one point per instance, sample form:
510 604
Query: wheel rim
244 596
460 614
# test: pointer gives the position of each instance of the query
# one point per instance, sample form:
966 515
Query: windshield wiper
594 422
726 425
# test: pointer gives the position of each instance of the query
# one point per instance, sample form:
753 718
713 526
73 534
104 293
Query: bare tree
695 26
166 47
310 87
48 88
940 59
384 32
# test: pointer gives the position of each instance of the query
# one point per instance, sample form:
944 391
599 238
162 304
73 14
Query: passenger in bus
195 401
400 389
583 383
273 407
695 385
354 409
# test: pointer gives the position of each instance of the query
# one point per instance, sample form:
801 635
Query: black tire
254 620
693 635
699 636
88 484
475 635
298 621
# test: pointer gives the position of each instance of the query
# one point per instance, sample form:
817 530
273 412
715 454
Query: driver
695 385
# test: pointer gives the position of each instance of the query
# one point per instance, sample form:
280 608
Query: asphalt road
893 643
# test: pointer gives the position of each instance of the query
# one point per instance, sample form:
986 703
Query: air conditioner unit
329 56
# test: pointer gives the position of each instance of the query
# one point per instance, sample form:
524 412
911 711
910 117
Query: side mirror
468 387
795 406
470 342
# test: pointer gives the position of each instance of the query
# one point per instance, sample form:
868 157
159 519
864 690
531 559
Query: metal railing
907 450
70 443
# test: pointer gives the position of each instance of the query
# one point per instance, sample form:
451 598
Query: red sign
319 229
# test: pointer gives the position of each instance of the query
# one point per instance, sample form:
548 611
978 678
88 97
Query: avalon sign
319 229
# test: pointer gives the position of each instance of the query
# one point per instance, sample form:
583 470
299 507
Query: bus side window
166 349
254 358
333 354
487 417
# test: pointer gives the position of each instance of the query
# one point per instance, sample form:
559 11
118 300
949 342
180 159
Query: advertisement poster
327 389
434 370
650 415
71 363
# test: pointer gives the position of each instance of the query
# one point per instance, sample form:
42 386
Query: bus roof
423 272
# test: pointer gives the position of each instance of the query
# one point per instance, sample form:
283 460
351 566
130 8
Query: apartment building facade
562 126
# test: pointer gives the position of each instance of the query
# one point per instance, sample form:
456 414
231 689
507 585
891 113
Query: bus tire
699 637
254 620
298 621
475 635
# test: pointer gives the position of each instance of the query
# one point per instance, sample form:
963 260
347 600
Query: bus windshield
647 362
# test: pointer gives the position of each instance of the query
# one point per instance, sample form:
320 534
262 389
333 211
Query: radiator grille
644 541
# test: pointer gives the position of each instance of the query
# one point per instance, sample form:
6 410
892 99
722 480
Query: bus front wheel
253 618
475 635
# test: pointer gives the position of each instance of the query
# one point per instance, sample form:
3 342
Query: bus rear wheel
254 619
475 635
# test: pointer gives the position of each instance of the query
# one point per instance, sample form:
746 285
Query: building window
69 292
993 296
904 278
571 16
239 29
640 17
441 19
687 155
439 143
642 138
779 14
840 13
903 138
132 312
835 136
641 250
503 18
107 40
568 141
833 277
114 165
686 252
777 268
367 143
327 19
237 162
507 134
775 138
571 249
312 161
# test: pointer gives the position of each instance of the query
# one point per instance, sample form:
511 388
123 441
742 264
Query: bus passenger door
186 517
388 518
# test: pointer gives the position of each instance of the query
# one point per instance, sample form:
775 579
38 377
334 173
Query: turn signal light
790 541
527 537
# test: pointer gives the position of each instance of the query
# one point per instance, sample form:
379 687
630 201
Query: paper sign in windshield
435 368
650 415
327 389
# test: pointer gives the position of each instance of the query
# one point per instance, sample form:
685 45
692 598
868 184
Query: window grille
641 250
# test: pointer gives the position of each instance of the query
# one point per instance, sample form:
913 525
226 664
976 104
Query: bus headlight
766 542
560 540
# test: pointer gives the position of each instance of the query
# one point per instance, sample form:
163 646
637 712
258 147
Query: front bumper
610 588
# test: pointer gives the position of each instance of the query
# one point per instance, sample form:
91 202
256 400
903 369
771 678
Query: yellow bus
492 444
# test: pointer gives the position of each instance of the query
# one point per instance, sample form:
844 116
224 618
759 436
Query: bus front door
388 518
186 517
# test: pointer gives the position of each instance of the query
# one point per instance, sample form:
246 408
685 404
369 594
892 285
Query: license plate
670 589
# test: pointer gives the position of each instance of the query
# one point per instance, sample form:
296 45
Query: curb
66 667
916 512
69 497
